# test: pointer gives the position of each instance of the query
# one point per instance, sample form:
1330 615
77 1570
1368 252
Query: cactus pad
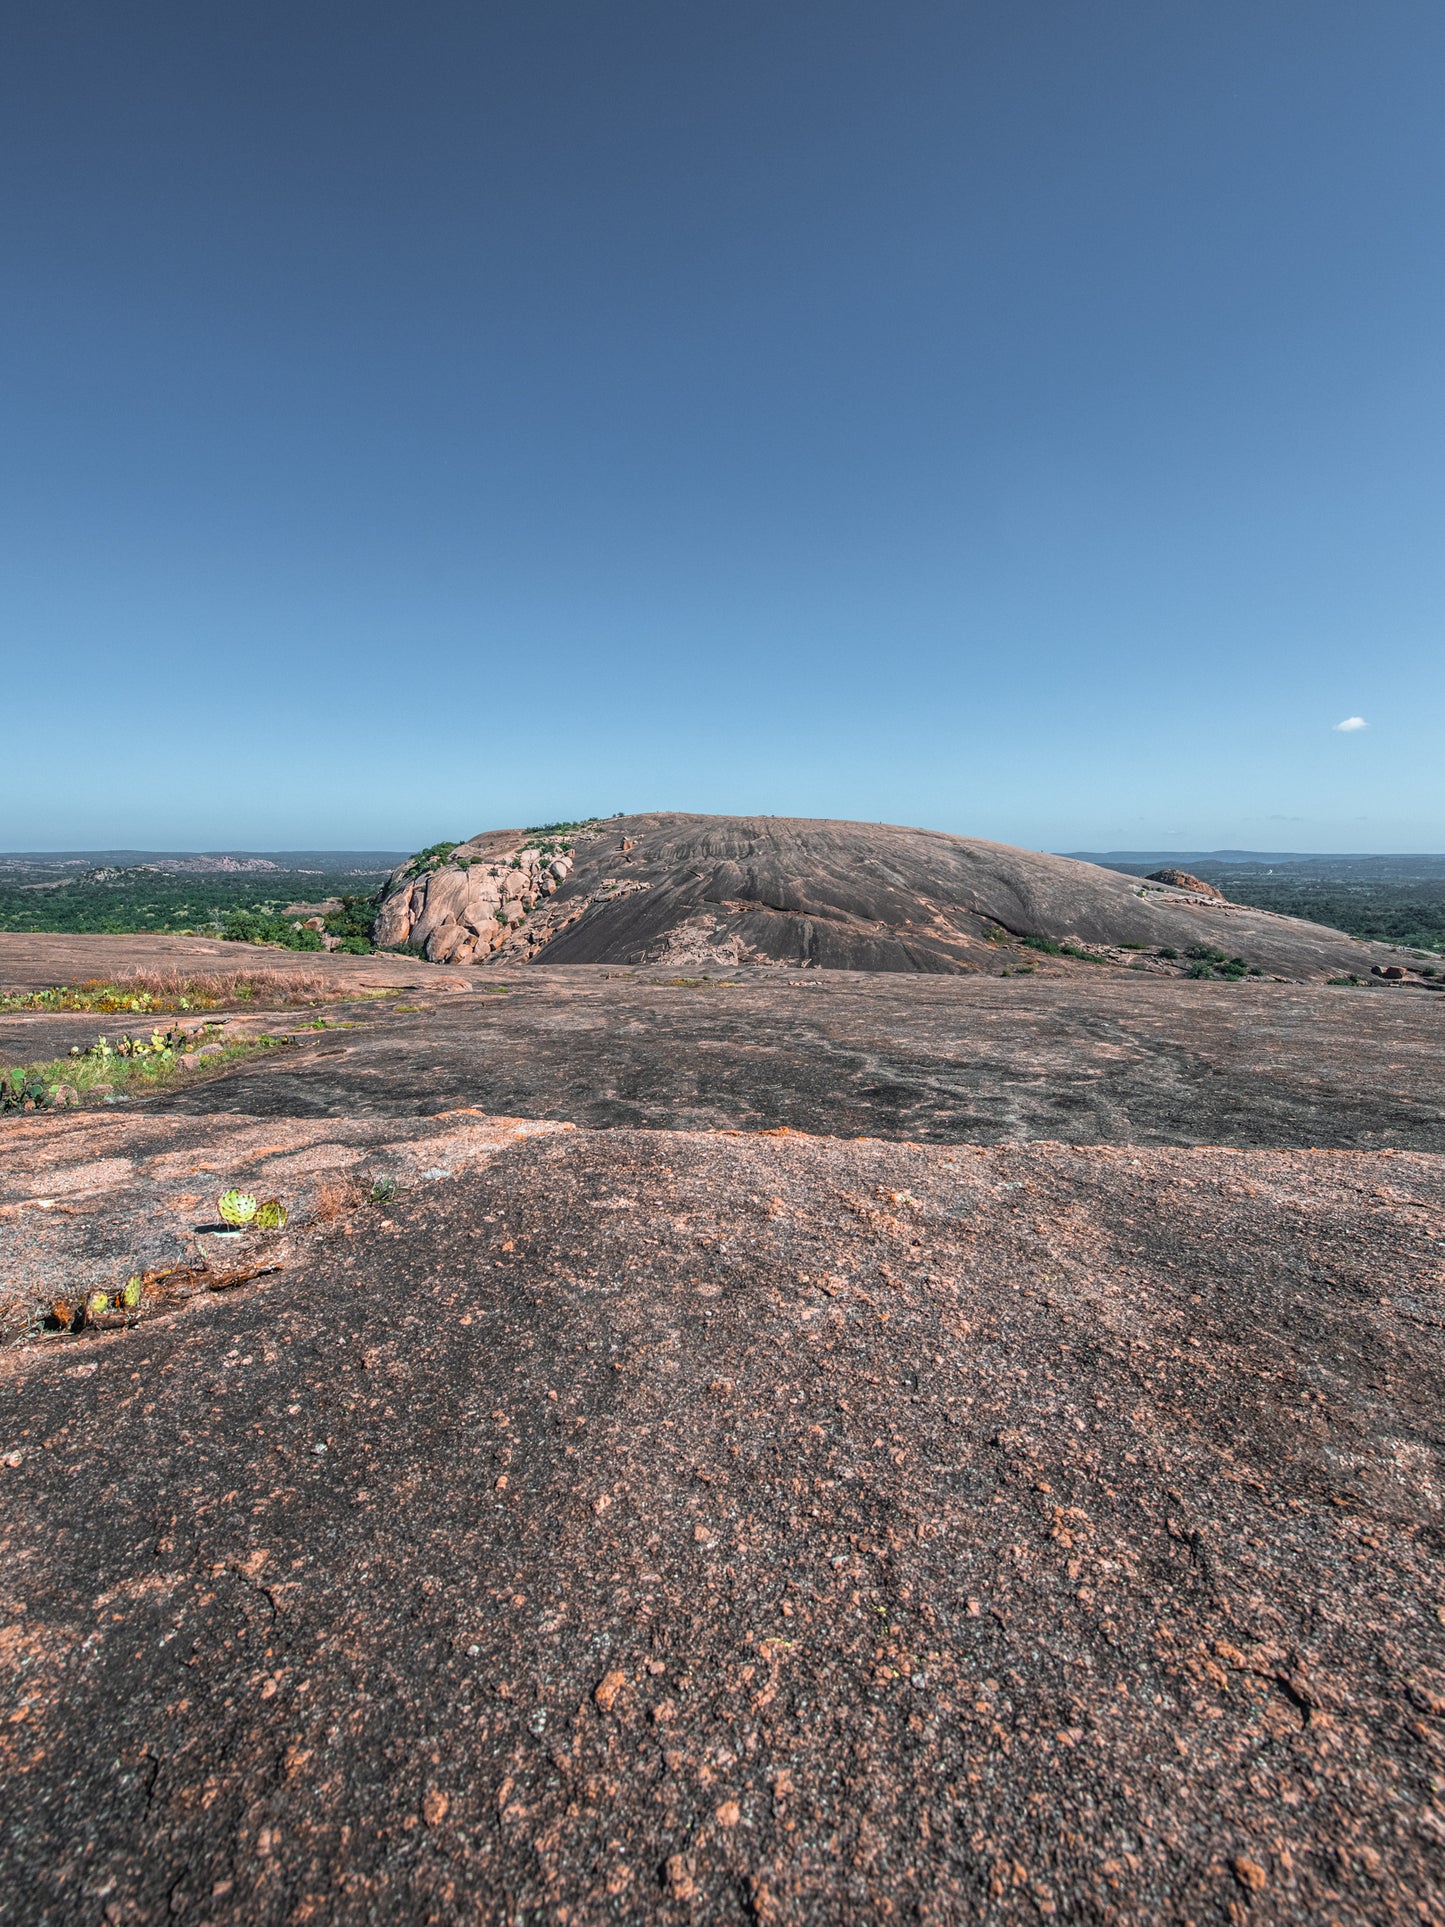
236 1207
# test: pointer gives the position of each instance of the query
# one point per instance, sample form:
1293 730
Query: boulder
458 911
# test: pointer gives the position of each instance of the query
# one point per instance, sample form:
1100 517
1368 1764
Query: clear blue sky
1018 417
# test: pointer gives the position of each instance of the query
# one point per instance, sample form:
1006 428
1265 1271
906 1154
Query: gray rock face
799 892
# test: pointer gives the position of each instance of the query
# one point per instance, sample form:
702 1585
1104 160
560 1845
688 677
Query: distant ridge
193 859
1244 856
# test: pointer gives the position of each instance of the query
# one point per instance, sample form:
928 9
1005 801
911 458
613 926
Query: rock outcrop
462 907
1182 880
794 892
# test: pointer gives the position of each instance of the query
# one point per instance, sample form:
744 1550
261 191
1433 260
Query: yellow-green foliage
236 1207
132 1065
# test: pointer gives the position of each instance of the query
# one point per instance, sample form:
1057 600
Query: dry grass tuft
249 986
145 991
335 1197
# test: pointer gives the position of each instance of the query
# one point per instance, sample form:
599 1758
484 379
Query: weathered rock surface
700 1528
786 891
1091 1057
1074 1052
734 1524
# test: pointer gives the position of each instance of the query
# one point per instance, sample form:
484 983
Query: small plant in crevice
100 1308
384 1191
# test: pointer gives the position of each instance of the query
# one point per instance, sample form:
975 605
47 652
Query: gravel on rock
723 1528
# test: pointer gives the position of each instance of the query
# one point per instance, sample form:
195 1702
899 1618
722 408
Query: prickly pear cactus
271 1216
97 1303
130 1297
236 1207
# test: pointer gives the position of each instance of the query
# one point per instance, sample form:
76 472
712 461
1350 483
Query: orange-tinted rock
1182 880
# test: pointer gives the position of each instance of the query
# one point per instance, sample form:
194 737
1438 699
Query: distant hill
201 862
1403 868
796 892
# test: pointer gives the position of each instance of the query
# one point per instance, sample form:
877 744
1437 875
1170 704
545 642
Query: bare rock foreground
767 1521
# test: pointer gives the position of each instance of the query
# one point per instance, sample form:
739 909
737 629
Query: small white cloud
1352 723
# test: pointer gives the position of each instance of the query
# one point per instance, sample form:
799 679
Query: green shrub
20 1088
431 858
352 924
555 830
256 926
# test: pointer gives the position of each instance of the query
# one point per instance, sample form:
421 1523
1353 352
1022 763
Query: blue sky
1020 419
